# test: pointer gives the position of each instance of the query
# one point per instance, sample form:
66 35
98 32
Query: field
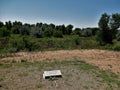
81 69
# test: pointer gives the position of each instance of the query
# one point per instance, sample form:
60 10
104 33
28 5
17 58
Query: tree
25 30
48 32
4 32
69 29
37 32
8 25
77 31
1 24
58 34
114 24
62 28
104 35
108 26
38 24
17 26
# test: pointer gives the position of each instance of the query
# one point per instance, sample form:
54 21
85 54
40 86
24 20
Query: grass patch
83 65
4 65
109 78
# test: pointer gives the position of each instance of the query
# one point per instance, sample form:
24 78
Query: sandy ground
106 60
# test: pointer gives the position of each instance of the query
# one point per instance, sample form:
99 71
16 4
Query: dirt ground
106 60
26 76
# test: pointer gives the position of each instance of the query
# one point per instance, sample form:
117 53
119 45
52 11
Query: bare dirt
106 60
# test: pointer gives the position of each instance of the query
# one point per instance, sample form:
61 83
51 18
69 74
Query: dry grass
106 60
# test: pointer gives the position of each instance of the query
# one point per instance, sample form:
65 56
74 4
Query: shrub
4 32
118 36
12 50
16 44
116 47
58 34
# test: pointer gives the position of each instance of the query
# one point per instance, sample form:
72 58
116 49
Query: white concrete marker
53 73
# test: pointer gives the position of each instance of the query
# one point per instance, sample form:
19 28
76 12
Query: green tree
108 26
104 35
114 24
48 32
25 30
1 24
4 32
8 25
77 31
69 29
17 26
58 34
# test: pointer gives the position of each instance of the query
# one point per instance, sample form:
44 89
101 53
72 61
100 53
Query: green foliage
86 32
118 36
47 33
104 35
108 28
77 31
37 32
69 29
1 24
8 25
16 29
4 32
25 30
16 36
115 24
116 47
58 34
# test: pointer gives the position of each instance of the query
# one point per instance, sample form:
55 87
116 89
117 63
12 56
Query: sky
80 13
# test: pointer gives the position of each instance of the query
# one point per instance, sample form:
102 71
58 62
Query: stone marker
53 73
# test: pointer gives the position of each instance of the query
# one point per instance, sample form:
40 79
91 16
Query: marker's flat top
52 73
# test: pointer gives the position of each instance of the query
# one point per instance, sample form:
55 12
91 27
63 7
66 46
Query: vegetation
108 26
16 36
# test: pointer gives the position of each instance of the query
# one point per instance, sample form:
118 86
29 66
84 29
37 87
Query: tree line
40 30
107 31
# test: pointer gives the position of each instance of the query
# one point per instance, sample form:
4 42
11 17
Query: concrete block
53 73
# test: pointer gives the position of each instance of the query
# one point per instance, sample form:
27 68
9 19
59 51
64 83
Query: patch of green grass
23 63
84 66
4 65
109 78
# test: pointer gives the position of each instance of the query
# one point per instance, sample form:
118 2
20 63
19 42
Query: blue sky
80 13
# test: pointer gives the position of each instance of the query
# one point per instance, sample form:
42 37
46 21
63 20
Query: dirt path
107 60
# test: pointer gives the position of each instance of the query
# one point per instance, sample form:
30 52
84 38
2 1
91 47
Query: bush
12 50
116 47
58 34
16 43
4 32
118 36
